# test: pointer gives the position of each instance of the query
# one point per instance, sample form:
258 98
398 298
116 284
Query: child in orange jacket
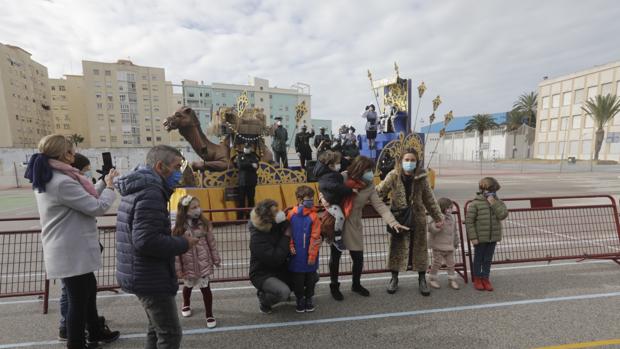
305 243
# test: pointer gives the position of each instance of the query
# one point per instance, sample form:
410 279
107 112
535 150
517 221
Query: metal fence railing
557 228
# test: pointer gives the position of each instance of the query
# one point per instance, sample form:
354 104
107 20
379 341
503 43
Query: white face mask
247 150
88 174
280 217
195 213
337 167
279 123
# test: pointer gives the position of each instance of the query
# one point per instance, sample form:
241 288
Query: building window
110 98
576 121
566 98
102 138
61 88
113 139
158 139
578 96
553 124
606 89
564 124
53 88
261 99
223 94
191 94
545 102
591 92
543 126
108 73
589 122
555 101
99 105
96 71
148 139
542 148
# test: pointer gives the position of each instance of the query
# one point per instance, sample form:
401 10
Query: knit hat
80 161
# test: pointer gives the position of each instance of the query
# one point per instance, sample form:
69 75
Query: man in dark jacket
322 142
269 252
279 146
302 145
145 248
247 164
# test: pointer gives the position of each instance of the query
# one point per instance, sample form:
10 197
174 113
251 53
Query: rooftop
459 122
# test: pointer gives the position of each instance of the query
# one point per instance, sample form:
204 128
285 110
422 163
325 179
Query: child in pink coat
195 266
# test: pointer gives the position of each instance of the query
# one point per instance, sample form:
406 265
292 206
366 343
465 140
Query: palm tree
601 109
481 123
527 104
76 139
514 122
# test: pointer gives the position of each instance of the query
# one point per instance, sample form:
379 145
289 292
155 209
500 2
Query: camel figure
216 157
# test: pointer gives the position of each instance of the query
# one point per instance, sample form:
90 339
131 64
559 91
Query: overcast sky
478 55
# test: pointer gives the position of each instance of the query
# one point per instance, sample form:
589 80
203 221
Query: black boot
424 290
359 289
335 290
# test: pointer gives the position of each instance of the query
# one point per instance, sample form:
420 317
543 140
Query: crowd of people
153 254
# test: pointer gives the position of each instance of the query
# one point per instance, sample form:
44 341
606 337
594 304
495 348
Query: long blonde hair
55 146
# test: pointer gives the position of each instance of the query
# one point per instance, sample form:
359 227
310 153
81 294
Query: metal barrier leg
46 296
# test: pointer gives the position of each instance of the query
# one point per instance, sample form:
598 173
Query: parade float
214 179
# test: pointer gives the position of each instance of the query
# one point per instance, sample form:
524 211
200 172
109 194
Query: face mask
487 193
409 166
368 176
88 174
279 123
247 150
195 213
174 178
280 217
308 203
337 167
351 132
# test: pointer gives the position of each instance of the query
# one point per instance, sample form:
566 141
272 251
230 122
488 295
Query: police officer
279 147
302 145
322 141
247 164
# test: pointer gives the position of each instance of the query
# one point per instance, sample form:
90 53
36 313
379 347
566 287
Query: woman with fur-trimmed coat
408 188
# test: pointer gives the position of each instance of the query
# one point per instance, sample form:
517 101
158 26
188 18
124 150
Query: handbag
327 226
404 217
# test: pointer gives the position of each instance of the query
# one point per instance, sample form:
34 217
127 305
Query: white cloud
479 55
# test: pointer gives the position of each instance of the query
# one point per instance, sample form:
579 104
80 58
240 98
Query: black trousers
82 312
281 155
303 159
245 199
304 283
334 264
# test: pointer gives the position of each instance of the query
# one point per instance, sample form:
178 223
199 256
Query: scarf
347 203
38 172
75 174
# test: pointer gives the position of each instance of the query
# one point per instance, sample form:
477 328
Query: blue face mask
409 166
308 203
368 176
174 178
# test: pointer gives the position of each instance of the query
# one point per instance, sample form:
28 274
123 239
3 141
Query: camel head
182 118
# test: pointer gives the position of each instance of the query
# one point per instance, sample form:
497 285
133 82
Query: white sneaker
211 323
186 311
453 284
434 283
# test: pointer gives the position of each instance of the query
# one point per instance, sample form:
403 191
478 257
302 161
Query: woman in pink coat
195 266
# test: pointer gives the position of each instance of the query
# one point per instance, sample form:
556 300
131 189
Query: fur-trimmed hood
259 223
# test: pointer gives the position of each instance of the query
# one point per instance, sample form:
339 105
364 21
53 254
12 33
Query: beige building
69 108
25 113
563 130
175 101
126 104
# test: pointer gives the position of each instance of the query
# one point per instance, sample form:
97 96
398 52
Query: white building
563 130
458 145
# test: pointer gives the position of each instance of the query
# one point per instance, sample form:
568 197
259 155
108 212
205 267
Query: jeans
303 284
334 265
64 306
164 329
82 308
483 255
274 291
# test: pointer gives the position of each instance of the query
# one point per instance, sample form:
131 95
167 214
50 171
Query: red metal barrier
22 270
558 228
233 240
